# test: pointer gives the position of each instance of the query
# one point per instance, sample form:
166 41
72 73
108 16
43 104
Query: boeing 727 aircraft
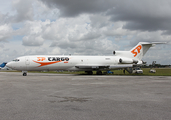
120 59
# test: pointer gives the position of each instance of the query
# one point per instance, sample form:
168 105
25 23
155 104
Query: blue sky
89 27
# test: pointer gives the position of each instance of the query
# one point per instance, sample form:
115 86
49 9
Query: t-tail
136 54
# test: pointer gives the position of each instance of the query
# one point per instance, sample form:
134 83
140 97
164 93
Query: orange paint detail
66 62
41 58
46 63
136 50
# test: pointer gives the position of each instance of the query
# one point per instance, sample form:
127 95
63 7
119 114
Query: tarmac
42 96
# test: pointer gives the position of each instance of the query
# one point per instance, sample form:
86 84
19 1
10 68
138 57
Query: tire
24 74
99 73
89 72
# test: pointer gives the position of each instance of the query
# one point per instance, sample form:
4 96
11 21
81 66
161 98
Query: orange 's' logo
136 50
41 58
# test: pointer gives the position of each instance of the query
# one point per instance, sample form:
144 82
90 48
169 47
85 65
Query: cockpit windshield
16 60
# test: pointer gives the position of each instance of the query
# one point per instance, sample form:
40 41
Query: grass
159 72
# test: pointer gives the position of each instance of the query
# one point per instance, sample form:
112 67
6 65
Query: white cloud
6 7
6 32
42 12
33 40
24 10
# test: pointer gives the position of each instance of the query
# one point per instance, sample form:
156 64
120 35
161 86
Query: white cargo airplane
120 59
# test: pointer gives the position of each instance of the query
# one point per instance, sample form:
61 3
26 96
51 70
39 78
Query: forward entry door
27 61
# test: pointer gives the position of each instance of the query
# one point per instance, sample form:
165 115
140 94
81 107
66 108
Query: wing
103 67
93 67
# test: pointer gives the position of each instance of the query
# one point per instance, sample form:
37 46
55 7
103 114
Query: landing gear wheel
99 72
24 74
89 72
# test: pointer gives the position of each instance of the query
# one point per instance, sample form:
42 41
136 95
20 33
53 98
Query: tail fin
138 51
3 64
141 48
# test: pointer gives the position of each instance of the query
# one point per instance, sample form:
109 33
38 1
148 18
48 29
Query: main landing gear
91 72
99 72
24 73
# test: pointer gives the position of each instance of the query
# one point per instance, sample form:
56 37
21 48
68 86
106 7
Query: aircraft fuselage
41 62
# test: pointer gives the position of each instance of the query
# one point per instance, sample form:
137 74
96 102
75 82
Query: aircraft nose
9 64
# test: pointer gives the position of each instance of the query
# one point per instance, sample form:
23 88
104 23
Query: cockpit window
16 60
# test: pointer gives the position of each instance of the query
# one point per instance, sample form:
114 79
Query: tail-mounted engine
127 61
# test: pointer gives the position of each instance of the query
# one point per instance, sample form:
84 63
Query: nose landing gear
24 73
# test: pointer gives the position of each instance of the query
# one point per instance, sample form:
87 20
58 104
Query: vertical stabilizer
138 51
3 64
141 48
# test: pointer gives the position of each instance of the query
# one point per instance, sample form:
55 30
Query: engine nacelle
140 62
124 54
127 61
